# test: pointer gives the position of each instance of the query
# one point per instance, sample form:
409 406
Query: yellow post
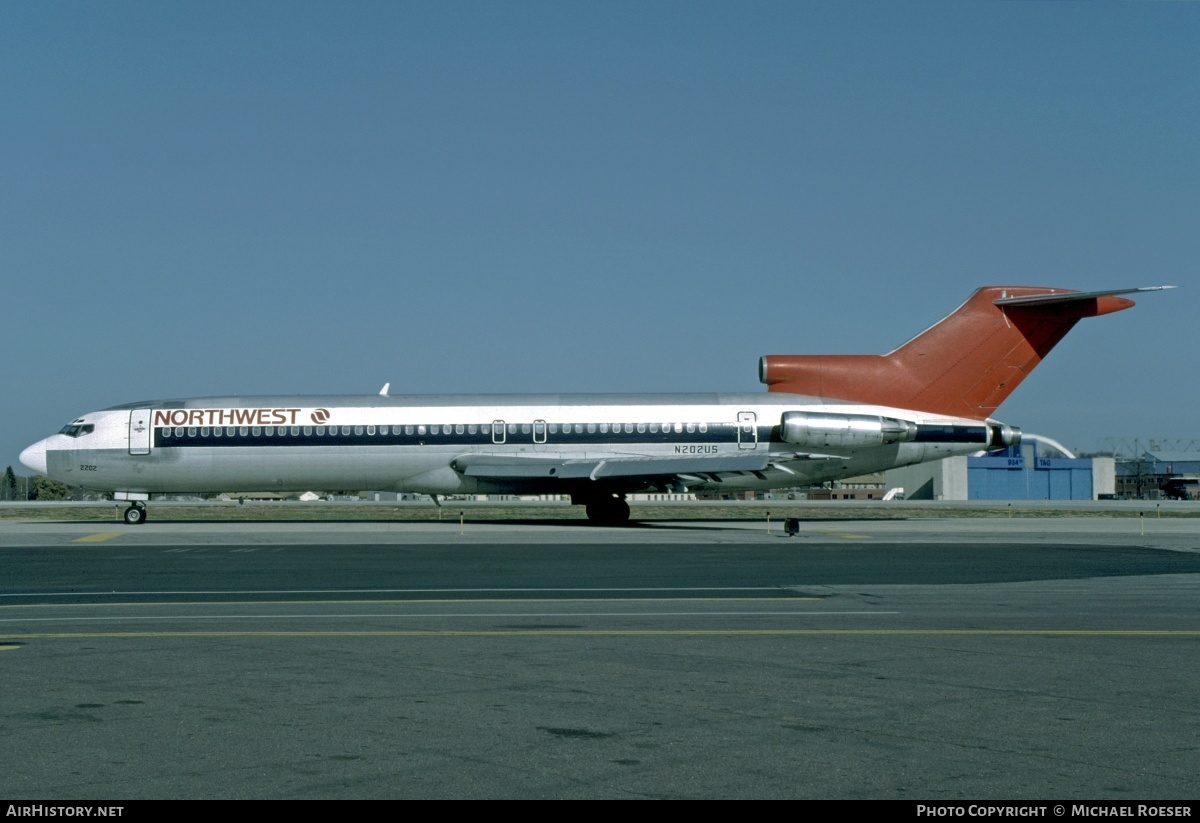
461 521
768 522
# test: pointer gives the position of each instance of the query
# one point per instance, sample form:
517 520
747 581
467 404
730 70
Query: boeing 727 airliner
823 417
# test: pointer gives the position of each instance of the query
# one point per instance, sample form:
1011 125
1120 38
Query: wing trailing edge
563 467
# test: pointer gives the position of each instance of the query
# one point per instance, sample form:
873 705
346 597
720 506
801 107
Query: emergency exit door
747 430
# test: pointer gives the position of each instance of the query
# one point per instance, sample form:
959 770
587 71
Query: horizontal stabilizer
1070 296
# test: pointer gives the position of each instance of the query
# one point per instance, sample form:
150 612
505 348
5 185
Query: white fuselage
571 444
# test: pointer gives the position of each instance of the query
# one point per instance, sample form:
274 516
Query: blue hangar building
1036 469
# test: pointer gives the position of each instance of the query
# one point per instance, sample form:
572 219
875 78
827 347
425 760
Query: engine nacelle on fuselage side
829 430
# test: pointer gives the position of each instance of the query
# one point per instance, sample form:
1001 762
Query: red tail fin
965 365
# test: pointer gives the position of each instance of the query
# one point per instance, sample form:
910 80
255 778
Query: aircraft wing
534 466
567 467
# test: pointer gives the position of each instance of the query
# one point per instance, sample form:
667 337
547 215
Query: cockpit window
77 429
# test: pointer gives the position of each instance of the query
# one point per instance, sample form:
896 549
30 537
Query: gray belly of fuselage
400 468
200 470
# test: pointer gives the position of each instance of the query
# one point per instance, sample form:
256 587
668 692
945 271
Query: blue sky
216 198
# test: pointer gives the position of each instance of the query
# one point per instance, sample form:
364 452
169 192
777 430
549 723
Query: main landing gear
608 511
135 515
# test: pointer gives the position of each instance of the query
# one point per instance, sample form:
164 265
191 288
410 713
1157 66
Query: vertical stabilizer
964 365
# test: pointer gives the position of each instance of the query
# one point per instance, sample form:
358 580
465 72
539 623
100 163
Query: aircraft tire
608 511
135 515
620 511
595 510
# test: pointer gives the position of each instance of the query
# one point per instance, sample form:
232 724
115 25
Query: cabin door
747 430
139 431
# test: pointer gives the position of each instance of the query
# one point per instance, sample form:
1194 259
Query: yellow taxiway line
99 537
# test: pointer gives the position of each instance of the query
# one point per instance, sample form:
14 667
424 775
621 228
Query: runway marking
8 648
844 535
533 632
99 537
405 591
797 599
429 615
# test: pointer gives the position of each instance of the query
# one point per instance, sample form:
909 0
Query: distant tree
8 487
46 489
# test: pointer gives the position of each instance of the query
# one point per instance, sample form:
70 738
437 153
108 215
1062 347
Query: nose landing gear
136 513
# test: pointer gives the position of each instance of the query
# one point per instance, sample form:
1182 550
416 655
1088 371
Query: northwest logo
320 416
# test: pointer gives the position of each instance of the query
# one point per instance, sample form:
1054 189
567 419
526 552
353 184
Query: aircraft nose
34 457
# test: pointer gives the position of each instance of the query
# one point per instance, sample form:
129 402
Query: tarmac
1023 658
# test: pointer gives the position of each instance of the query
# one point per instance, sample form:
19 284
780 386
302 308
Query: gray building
1162 474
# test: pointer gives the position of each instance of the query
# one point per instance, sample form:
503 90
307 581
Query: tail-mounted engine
1001 436
844 430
